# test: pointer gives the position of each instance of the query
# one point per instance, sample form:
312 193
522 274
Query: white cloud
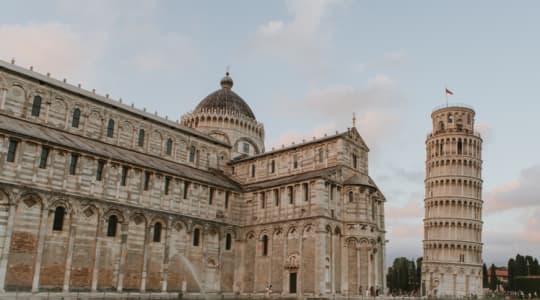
522 192
302 39
376 106
50 47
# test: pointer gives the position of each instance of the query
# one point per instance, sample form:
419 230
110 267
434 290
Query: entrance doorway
292 283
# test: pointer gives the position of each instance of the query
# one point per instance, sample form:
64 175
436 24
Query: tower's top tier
453 118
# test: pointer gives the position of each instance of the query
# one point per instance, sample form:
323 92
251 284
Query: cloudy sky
305 65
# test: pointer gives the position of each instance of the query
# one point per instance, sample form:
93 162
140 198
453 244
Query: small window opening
227 195
75 120
211 196
124 175
306 191
192 154
252 170
140 141
351 196
73 164
276 197
196 237
290 191
157 232
265 245
110 128
58 222
228 242
186 189
12 150
112 225
36 106
99 171
167 185
147 176
44 157
168 147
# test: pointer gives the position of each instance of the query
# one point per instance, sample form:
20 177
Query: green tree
485 281
535 270
402 276
493 278
511 274
419 272
521 266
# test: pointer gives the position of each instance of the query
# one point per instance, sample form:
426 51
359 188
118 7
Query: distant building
96 195
452 259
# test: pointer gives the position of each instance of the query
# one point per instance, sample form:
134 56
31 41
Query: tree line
405 276
523 275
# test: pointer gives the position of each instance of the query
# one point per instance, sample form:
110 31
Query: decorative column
7 245
123 254
148 234
40 246
166 258
69 259
97 252
3 98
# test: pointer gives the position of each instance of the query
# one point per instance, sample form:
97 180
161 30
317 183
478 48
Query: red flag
449 92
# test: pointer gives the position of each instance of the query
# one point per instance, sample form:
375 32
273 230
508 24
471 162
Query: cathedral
97 195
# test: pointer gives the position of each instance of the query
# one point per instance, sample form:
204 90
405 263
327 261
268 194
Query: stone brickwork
96 195
452 260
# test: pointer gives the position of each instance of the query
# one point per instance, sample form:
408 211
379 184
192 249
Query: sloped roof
322 173
91 146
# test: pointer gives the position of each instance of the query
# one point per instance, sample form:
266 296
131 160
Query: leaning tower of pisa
452 258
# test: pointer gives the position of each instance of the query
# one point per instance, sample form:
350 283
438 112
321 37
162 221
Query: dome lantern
226 82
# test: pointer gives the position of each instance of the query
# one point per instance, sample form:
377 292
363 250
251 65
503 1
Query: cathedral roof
225 99
53 136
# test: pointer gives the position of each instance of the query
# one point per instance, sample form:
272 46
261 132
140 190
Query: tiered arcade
452 260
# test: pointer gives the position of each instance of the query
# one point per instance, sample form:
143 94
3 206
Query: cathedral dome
225 99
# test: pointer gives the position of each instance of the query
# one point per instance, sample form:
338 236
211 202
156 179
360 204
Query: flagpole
446 94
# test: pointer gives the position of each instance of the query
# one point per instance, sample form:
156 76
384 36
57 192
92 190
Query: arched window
111 226
36 106
141 137
441 125
157 232
450 118
76 118
168 147
58 222
196 237
265 245
459 147
272 166
110 128
192 154
228 242
351 196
